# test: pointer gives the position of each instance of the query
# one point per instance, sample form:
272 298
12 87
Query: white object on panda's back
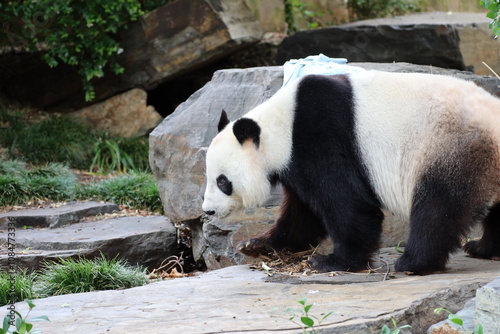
318 64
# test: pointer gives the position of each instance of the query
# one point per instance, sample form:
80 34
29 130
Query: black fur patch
224 184
224 120
246 128
327 176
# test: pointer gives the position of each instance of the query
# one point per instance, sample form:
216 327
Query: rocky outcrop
166 42
458 40
178 147
126 115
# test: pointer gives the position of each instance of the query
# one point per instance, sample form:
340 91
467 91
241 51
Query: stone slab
140 240
239 300
55 217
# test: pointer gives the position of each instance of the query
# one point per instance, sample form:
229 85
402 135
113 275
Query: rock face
458 40
178 147
487 313
166 42
126 115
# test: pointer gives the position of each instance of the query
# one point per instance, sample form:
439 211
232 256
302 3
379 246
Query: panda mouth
222 215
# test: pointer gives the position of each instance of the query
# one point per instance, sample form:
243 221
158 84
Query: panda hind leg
296 229
488 247
437 225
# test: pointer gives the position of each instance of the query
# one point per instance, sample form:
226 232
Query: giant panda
425 147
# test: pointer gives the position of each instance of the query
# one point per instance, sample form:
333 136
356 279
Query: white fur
402 121
246 166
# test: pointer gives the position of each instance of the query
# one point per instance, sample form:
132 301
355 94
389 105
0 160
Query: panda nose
210 213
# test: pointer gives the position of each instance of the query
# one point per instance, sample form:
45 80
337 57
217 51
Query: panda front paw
254 247
327 263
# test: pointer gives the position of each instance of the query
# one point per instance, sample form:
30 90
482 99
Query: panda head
235 168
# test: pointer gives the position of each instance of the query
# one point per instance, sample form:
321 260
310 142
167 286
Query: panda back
405 122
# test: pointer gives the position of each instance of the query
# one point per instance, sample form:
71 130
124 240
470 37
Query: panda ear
223 121
246 128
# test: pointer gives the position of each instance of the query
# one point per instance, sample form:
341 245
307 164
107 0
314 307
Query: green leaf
326 315
6 324
21 328
308 307
439 310
386 330
492 14
39 318
456 319
30 304
303 301
307 321
478 329
293 310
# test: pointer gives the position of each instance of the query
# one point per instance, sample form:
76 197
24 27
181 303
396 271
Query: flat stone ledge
55 217
146 241
239 300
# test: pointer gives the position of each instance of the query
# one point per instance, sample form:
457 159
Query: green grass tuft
83 275
20 185
57 139
137 190
23 287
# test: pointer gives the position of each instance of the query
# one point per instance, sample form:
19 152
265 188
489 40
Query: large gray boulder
448 40
126 114
145 241
178 148
178 145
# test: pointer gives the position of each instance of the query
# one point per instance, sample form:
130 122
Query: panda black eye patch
224 184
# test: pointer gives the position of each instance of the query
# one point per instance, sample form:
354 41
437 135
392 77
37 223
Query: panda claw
253 247
476 249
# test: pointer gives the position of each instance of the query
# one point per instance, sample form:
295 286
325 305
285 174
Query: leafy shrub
69 140
83 275
23 287
494 8
121 154
74 32
23 325
137 148
366 9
